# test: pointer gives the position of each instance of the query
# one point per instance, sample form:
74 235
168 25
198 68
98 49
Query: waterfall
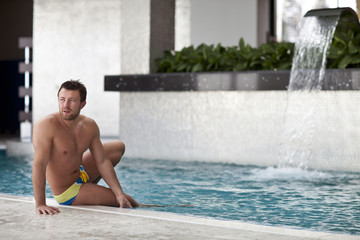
311 48
306 79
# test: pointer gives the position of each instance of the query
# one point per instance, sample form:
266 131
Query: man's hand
47 210
123 201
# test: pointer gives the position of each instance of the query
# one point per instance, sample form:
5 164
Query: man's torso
68 146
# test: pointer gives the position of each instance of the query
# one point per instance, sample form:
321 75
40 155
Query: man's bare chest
67 143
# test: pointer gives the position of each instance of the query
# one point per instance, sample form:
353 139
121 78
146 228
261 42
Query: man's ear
83 104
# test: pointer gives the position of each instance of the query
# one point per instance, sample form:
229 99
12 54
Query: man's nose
66 103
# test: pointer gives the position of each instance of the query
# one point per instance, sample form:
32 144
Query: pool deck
18 220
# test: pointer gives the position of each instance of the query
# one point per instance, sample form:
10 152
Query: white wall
88 39
135 36
182 24
223 21
77 39
265 128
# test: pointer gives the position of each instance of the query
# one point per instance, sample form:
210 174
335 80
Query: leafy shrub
208 58
345 50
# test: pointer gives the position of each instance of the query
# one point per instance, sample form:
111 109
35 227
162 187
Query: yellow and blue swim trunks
67 197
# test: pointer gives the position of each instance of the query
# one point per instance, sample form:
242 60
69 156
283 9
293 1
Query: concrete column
265 21
182 24
147 30
135 36
162 32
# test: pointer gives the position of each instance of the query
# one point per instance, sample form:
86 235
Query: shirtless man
61 141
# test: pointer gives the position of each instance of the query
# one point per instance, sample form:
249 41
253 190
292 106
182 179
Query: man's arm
106 169
42 142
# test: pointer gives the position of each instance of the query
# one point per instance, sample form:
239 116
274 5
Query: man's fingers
55 209
125 204
48 211
128 204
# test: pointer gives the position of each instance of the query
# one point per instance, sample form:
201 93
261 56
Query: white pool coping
165 225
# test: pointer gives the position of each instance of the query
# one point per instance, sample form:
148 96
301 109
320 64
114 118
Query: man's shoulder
87 120
89 123
50 119
46 127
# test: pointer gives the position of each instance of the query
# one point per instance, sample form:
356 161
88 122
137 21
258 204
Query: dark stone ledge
224 81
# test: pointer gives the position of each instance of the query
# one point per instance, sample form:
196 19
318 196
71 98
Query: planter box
335 79
207 81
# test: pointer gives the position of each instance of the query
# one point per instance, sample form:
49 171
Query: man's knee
119 150
120 146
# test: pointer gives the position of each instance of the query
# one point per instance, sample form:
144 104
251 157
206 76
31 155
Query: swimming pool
324 201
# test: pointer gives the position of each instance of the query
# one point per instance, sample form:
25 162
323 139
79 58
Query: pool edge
172 217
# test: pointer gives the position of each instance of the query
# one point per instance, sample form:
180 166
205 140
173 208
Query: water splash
288 174
306 79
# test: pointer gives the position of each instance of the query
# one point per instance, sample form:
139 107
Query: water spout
312 46
306 79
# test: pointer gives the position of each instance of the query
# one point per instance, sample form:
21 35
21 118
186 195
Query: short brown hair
74 85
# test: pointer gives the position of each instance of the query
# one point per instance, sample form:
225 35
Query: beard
71 116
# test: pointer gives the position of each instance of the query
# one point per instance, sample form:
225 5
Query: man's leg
93 194
114 150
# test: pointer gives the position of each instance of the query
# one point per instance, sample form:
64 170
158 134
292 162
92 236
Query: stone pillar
162 29
135 36
147 30
182 24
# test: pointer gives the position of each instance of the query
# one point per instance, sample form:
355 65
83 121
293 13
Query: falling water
311 48
306 79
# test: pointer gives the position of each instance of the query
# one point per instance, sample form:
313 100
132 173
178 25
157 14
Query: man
61 141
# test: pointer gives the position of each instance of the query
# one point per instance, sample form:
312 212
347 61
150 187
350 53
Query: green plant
344 50
276 56
207 58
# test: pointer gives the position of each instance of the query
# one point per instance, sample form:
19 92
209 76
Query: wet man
61 143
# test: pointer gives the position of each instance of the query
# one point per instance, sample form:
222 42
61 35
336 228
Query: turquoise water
313 200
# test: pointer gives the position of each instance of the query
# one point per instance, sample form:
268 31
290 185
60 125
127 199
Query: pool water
314 200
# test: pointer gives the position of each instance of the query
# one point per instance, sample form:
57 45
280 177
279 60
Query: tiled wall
266 128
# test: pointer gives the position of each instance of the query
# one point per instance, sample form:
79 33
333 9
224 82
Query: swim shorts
67 197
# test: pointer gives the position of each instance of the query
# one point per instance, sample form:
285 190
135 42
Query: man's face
69 104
